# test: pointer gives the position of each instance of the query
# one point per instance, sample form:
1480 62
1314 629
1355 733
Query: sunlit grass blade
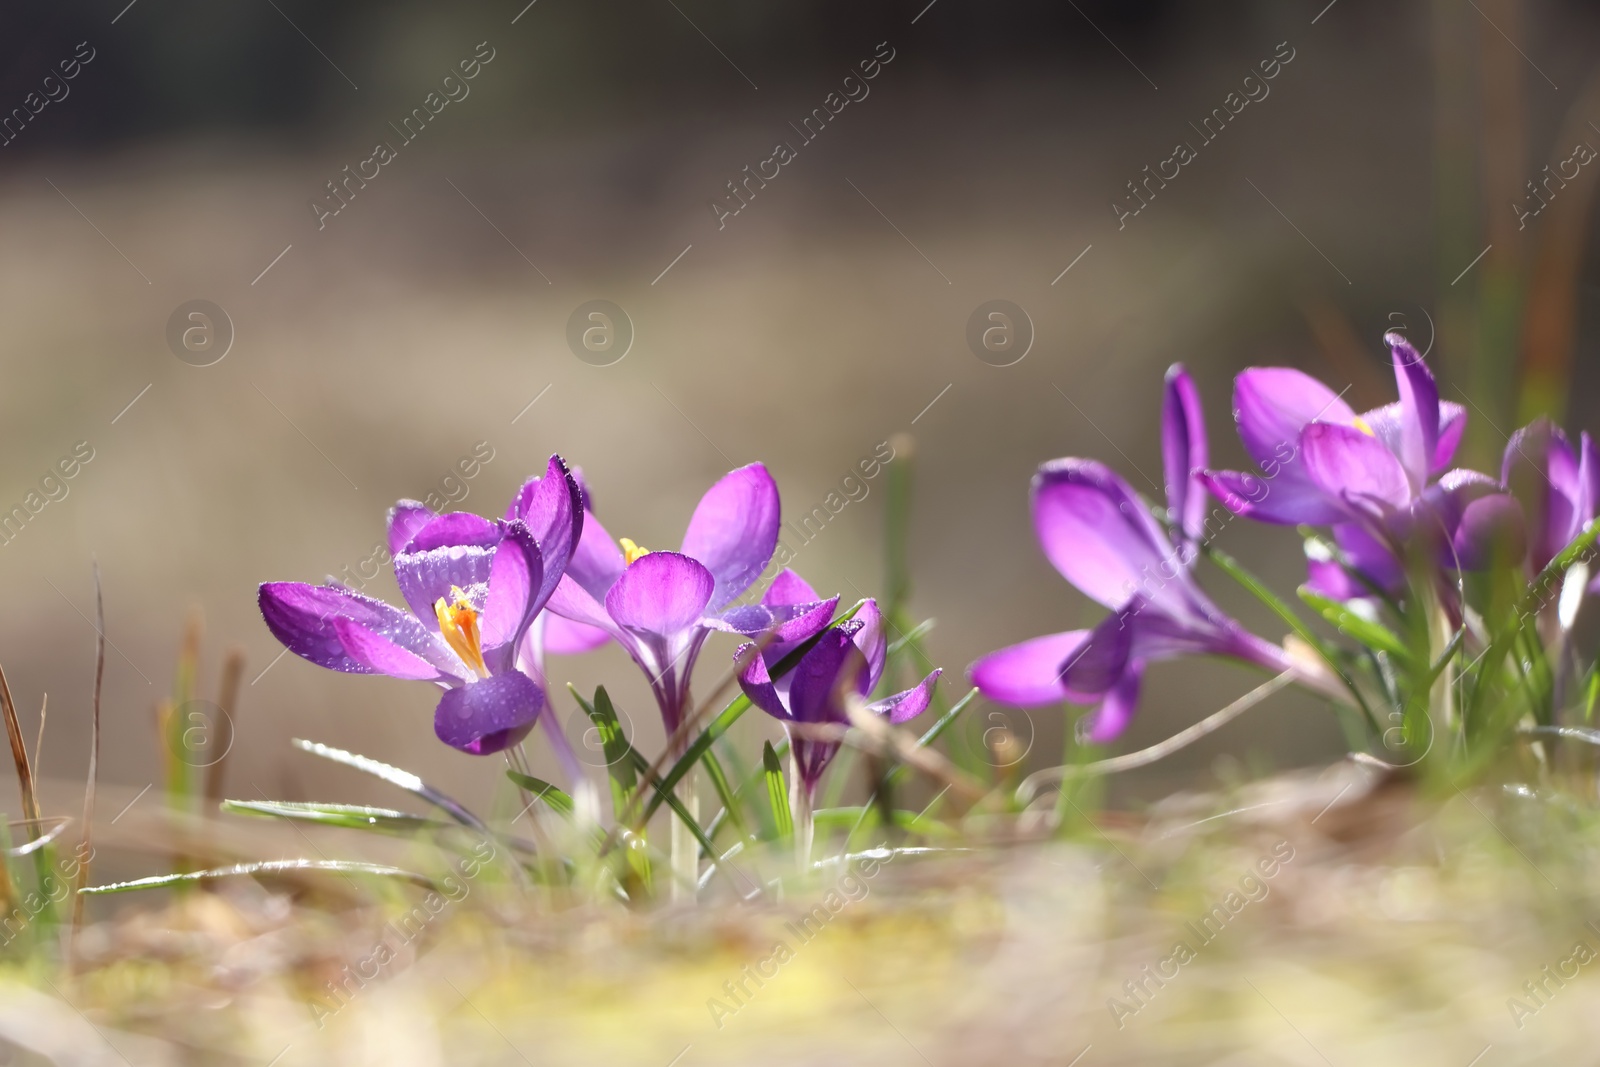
349 816
1341 617
241 870
557 800
38 839
395 777
777 792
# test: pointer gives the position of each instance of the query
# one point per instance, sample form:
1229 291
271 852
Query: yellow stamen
631 551
458 623
1361 424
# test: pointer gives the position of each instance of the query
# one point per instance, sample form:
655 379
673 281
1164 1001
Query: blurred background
169 151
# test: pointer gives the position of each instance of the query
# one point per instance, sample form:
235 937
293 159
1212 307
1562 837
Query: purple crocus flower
1557 485
661 606
1103 539
847 657
1378 478
473 587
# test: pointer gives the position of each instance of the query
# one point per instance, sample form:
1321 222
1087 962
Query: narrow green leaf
396 777
238 870
777 793
1534 597
828 820
1256 588
859 819
719 782
1374 635
612 740
1229 566
349 816
558 801
620 771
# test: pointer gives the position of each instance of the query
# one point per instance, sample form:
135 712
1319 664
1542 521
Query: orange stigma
458 622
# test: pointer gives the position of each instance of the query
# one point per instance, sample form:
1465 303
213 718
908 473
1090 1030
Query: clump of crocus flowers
1432 573
1439 602
488 599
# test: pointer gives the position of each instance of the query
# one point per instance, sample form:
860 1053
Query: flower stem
685 849
801 806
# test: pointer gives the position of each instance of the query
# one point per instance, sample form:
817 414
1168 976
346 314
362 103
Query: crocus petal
488 715
788 624
1349 464
594 568
1542 472
405 519
1029 674
1387 424
563 637
1588 480
1287 500
757 684
1095 666
1108 721
453 551
833 662
453 530
552 506
301 616
515 577
1419 409
1370 557
1325 577
905 706
1491 531
790 610
872 642
789 588
381 655
1452 424
734 530
663 593
1273 404
1184 452
1099 534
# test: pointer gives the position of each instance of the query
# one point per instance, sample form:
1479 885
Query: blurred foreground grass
1328 918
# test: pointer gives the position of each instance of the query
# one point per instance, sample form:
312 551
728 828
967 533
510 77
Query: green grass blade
396 777
620 771
719 782
777 793
1374 635
239 870
558 801
348 816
